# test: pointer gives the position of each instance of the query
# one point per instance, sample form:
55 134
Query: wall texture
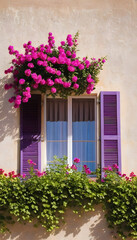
107 28
91 226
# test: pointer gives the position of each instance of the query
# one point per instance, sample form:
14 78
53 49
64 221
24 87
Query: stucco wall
107 28
91 226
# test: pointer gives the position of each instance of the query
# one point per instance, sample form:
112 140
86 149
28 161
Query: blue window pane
84 130
87 154
56 148
56 130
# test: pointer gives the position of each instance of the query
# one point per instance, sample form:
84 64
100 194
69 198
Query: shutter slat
30 131
110 129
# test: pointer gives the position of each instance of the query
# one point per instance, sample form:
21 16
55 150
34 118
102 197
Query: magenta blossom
76 86
21 81
74 78
86 169
132 175
73 167
62 43
31 162
66 84
39 66
53 90
27 72
30 65
76 160
115 166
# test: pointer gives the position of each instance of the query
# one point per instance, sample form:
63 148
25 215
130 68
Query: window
71 130
68 127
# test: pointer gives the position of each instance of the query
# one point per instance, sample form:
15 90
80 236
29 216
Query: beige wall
91 226
107 28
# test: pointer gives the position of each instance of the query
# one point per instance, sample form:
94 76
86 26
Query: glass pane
56 128
83 131
87 154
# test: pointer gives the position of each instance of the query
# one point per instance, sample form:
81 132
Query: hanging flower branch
56 71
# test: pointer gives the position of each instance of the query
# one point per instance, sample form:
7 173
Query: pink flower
12 99
132 175
115 166
58 73
34 76
58 81
21 81
8 86
70 43
73 55
39 63
86 169
23 175
34 55
73 167
38 79
1 171
102 180
30 65
103 61
50 82
119 173
68 61
42 82
124 175
68 53
81 66
63 43
76 160
53 60
88 91
74 78
44 64
71 69
107 168
76 86
16 105
53 90
28 58
75 63
66 84
31 162
25 99
35 86
27 72
28 89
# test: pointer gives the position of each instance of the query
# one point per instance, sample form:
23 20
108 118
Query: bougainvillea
56 71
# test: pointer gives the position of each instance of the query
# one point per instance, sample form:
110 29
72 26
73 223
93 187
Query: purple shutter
30 131
110 129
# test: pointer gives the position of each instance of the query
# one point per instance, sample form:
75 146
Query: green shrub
44 197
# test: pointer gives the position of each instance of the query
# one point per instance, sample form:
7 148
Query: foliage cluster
44 197
52 70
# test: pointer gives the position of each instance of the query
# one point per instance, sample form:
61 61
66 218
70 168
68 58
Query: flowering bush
44 196
56 71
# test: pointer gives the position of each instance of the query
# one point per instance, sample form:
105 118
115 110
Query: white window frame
69 142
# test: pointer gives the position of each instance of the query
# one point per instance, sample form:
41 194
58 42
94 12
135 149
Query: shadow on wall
91 226
8 115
